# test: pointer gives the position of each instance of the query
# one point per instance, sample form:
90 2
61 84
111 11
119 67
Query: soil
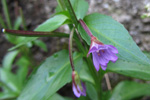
127 12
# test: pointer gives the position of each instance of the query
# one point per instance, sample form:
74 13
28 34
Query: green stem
100 77
80 46
2 22
71 12
96 78
6 12
34 34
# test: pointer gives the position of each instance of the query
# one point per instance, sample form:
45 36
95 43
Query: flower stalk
85 28
71 12
70 50
78 86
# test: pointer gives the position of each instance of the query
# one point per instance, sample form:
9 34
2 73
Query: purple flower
78 86
102 53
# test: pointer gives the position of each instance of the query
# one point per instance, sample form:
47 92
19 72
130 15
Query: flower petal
103 67
112 49
95 60
102 47
84 89
110 56
102 60
75 91
93 47
114 59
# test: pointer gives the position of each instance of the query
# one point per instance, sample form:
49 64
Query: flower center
103 51
98 53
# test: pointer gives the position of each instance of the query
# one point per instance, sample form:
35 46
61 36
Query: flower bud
78 86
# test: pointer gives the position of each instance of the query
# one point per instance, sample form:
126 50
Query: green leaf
9 58
54 73
26 40
58 9
130 69
22 70
41 44
10 80
52 23
106 95
78 5
56 96
8 95
85 73
111 32
6 13
128 90
92 93
147 54
48 26
83 98
11 39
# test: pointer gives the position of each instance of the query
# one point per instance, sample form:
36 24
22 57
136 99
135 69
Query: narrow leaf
9 79
52 23
22 70
2 22
9 58
92 93
6 12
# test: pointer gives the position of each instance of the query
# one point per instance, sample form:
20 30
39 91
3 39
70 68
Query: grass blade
6 12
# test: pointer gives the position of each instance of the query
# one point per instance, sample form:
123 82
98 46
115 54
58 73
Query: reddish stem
70 50
34 34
